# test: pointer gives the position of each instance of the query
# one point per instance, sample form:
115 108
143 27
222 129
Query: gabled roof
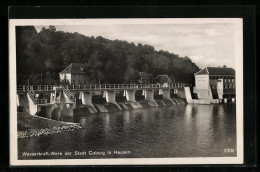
216 71
162 79
202 72
74 68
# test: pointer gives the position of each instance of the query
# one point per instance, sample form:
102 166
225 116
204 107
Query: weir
149 96
130 96
86 98
57 100
111 98
23 101
166 94
49 110
33 109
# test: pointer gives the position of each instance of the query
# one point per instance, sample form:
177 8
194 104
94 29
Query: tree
108 61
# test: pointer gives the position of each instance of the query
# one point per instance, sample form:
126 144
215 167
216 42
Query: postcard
140 91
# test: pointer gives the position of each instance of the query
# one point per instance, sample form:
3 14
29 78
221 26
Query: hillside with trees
41 56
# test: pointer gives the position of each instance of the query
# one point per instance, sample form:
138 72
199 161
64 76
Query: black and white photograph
126 91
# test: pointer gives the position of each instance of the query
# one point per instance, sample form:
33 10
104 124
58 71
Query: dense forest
41 56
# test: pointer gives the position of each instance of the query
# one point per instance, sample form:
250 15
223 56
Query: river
178 131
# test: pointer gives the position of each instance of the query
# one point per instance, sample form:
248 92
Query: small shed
163 80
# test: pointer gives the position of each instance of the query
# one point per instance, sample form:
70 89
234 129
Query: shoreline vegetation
42 55
33 126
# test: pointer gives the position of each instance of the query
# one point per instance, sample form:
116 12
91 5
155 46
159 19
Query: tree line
42 55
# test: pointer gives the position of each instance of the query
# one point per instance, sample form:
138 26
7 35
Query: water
179 131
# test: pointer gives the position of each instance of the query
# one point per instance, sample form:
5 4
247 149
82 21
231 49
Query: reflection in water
107 126
179 131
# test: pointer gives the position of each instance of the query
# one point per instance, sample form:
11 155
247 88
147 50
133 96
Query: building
215 83
75 74
164 80
145 78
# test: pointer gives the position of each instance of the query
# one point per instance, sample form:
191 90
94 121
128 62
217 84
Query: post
225 100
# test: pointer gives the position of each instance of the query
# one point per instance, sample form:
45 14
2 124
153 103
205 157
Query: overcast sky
205 44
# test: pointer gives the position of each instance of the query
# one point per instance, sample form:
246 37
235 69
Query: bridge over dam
65 98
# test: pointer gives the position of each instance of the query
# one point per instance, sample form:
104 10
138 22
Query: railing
32 95
24 88
100 87
96 87
70 95
35 99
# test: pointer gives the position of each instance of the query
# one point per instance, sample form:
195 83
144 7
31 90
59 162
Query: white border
238 31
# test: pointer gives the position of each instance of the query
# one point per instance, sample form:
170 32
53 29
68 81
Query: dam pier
56 99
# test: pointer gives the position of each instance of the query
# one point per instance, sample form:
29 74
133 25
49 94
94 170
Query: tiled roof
202 72
162 79
74 68
216 71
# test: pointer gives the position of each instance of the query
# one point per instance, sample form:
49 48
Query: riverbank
33 126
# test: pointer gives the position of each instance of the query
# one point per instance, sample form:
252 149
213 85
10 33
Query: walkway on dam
50 97
65 94
101 87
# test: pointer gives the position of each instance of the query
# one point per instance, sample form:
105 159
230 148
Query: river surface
178 131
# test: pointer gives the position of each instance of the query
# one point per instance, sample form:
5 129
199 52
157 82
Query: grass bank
33 126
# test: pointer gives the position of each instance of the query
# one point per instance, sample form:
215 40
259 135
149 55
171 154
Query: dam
65 98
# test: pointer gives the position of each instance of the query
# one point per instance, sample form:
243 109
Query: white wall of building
66 77
202 81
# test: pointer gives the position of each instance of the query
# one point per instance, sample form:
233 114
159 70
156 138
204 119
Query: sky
205 44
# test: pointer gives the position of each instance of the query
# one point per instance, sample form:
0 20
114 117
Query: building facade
215 83
164 80
75 74
145 78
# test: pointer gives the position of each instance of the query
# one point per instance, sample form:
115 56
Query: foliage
49 52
